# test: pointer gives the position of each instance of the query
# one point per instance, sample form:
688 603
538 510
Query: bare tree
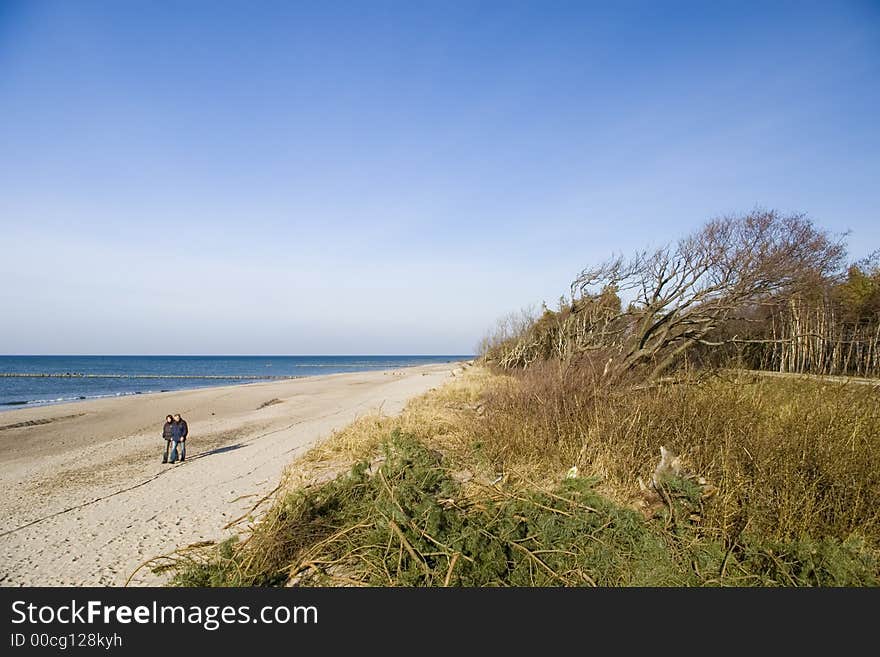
679 294
507 328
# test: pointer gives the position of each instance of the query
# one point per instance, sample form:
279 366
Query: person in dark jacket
179 429
166 434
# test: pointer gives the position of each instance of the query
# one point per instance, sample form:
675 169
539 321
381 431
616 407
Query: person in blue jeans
179 431
166 436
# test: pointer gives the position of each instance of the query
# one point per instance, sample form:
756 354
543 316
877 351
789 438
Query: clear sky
372 177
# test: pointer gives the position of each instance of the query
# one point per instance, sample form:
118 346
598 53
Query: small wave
62 400
39 402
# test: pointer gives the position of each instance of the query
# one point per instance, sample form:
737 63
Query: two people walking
174 432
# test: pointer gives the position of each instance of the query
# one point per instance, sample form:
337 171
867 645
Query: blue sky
311 178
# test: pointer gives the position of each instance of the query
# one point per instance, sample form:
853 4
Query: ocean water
91 377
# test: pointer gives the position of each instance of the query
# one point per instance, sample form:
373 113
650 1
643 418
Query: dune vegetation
630 437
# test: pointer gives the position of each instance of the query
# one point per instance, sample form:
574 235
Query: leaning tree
675 297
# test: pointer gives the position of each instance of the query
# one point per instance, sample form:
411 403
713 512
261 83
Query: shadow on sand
218 450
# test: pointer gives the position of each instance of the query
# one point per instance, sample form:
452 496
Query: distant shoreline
9 407
39 381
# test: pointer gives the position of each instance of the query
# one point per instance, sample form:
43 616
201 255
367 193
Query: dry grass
443 418
788 458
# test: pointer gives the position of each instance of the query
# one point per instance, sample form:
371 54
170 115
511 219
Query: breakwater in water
75 375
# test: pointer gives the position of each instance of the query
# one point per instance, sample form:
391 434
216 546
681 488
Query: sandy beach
86 498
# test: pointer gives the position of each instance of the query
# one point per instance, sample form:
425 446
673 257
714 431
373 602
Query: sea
41 380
